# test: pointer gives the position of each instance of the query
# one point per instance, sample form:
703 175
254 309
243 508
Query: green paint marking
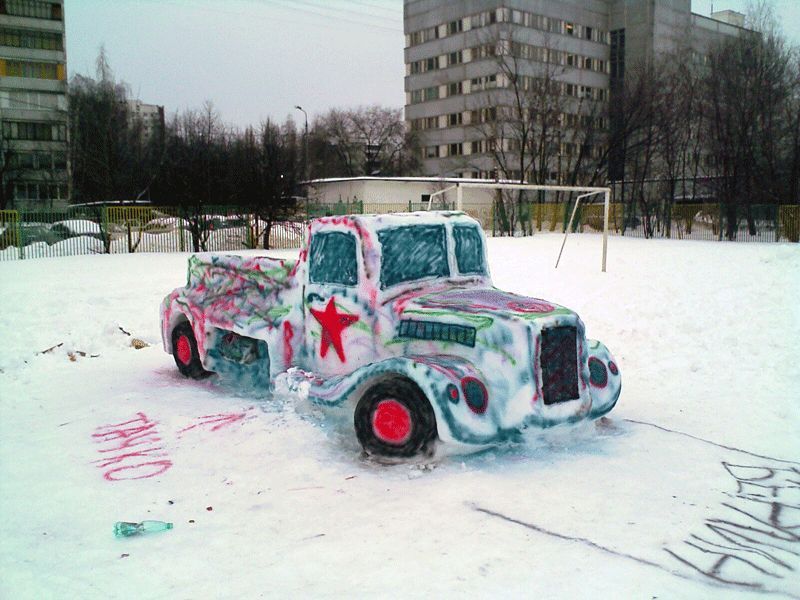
497 349
276 312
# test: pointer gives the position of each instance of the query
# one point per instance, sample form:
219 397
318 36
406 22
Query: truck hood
488 301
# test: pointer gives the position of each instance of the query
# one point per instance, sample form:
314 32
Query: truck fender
454 387
176 309
605 382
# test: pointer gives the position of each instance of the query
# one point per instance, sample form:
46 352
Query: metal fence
771 223
128 229
124 230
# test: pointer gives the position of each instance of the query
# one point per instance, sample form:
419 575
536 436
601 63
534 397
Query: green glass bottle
125 529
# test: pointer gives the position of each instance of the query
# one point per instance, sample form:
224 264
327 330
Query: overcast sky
259 58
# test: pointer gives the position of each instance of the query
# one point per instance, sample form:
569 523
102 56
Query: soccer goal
583 193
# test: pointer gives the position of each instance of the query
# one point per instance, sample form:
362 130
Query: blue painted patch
240 359
412 252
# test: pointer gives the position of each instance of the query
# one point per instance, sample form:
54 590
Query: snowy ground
691 491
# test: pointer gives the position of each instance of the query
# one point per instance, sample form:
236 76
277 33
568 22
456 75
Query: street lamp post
305 143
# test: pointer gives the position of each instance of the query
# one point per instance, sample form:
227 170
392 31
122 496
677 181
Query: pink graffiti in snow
131 450
215 422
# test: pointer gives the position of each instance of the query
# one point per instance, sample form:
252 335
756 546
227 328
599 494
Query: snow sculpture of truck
394 316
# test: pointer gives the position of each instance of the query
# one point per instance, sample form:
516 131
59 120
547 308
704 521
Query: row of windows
451 28
558 57
490 114
553 25
32 8
28 100
507 15
38 160
564 149
28 38
30 190
518 50
573 90
27 130
526 83
553 177
32 70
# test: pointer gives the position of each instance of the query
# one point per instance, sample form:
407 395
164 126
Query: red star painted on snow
333 323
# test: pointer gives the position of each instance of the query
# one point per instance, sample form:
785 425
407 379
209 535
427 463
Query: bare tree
371 140
748 88
265 166
109 155
195 171
537 124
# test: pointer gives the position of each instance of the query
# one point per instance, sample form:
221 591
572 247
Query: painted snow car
395 318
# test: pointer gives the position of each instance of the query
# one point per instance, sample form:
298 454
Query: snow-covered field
691 490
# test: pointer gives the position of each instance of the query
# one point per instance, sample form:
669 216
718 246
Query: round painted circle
475 394
597 372
451 392
612 366
184 350
391 422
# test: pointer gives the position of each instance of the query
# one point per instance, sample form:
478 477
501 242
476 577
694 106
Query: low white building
392 194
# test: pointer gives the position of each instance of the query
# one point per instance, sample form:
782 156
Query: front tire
394 419
184 351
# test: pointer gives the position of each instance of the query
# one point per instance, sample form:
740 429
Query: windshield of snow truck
418 251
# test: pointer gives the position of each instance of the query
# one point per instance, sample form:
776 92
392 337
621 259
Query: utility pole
305 143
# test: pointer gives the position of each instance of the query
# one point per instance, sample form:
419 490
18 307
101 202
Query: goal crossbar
583 192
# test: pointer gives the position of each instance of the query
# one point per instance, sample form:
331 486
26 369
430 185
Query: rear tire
395 419
184 351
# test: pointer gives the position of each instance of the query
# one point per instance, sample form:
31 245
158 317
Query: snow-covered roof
406 179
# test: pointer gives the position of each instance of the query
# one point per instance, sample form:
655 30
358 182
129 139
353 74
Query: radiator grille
558 359
431 330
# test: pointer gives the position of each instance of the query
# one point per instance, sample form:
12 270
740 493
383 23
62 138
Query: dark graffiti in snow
754 542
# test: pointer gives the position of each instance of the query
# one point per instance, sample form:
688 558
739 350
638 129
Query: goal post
583 192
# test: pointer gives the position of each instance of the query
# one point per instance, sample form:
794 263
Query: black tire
188 362
394 419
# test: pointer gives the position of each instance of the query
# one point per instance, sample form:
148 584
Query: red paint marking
131 440
288 334
333 324
217 421
481 408
391 422
161 467
127 432
140 418
146 453
184 350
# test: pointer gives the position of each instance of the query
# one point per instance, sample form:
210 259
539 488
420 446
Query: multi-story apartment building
151 117
33 104
459 76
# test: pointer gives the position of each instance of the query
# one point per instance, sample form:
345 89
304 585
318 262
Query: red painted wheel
391 422
184 350
393 418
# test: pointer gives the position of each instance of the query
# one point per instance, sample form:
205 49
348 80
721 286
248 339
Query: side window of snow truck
333 258
469 250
